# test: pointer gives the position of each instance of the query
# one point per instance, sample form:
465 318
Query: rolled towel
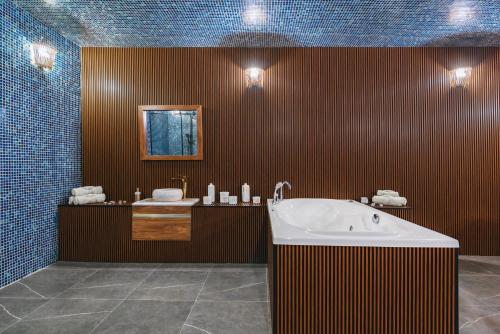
88 199
387 193
389 200
86 191
70 201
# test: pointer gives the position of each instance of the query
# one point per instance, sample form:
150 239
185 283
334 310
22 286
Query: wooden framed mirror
170 132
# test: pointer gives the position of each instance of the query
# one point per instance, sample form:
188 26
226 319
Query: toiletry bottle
211 192
137 195
245 193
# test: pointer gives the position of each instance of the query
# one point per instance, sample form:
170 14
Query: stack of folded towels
389 197
87 195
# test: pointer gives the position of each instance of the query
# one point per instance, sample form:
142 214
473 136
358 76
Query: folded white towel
86 191
87 199
387 193
389 200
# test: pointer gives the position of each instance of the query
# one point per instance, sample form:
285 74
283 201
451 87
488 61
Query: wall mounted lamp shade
460 77
43 56
254 77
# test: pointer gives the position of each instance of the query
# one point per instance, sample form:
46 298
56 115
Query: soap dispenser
245 193
137 195
211 192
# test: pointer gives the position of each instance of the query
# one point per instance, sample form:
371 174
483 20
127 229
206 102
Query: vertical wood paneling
336 122
218 235
320 289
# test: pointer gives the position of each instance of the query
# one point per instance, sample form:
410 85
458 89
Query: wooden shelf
388 207
239 205
94 205
199 204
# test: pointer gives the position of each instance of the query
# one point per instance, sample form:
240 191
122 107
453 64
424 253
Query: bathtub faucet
279 186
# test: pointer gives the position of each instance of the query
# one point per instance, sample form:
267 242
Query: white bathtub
329 222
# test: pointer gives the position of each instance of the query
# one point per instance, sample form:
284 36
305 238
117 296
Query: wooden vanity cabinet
161 223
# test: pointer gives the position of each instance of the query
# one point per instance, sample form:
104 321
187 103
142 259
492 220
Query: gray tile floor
479 294
188 299
137 298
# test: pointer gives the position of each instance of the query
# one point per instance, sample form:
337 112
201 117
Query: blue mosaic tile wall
40 151
272 23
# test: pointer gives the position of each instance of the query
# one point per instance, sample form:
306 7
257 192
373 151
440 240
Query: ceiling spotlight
43 56
460 77
254 77
461 12
254 14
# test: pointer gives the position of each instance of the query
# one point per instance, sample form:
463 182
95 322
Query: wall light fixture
43 56
254 77
460 77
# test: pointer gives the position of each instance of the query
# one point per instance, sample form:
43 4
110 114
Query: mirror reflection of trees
171 132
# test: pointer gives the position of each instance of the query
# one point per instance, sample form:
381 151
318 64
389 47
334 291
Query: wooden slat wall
335 122
218 235
319 289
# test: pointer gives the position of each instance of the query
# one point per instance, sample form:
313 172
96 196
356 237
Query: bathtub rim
439 240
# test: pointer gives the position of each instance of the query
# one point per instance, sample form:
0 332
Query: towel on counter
389 200
387 193
86 191
87 199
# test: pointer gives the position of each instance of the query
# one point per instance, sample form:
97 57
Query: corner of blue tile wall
40 142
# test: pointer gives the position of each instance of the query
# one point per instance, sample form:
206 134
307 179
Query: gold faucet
183 179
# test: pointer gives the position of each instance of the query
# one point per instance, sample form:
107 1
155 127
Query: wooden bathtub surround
327 289
161 223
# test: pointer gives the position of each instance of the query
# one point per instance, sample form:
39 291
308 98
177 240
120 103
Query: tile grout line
49 299
268 300
170 286
68 315
196 299
99 286
478 274
124 299
8 312
236 288
198 328
30 274
472 322
29 288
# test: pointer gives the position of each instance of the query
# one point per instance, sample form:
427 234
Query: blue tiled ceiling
199 23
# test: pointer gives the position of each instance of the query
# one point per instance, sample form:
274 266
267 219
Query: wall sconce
43 56
460 76
254 77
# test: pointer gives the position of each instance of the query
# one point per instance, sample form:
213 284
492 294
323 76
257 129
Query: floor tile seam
12 315
235 288
195 300
24 277
47 301
120 303
66 315
476 320
168 286
478 274
195 327
230 301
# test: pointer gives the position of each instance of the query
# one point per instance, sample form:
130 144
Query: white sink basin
182 202
167 195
